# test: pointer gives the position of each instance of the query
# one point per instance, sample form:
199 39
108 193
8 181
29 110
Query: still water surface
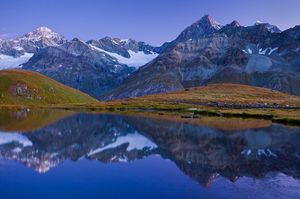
55 154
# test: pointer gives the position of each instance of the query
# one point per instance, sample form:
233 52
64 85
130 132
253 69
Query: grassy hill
227 94
19 87
218 95
231 100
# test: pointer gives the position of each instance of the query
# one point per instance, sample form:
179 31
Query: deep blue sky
153 21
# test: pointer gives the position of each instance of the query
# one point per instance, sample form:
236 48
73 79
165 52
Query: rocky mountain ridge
205 52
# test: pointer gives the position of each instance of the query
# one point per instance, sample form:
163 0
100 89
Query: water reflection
202 152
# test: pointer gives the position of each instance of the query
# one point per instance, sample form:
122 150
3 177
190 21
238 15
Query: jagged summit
235 23
203 27
209 20
76 39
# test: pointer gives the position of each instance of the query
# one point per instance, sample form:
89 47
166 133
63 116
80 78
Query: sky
152 21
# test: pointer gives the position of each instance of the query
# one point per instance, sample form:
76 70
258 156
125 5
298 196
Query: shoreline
287 116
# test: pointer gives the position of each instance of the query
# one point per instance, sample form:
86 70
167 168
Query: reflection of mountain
204 153
90 136
199 151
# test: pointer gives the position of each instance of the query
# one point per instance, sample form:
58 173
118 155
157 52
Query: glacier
7 62
136 59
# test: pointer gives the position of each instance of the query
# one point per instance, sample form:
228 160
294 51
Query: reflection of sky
152 177
149 178
154 21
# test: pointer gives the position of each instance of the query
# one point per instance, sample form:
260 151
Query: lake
63 154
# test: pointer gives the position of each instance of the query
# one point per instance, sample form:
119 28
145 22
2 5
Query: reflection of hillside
222 123
26 120
199 151
204 153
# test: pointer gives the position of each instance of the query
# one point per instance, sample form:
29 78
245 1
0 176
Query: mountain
94 67
206 25
20 87
206 52
40 38
15 52
81 66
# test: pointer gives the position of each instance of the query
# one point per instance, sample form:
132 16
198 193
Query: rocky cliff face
206 52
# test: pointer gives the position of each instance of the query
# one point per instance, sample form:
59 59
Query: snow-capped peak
258 22
43 33
16 52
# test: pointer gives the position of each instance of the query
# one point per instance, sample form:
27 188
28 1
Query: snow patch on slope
7 62
6 138
267 51
247 51
135 141
136 59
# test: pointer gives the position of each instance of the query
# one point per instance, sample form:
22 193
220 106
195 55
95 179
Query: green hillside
19 87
